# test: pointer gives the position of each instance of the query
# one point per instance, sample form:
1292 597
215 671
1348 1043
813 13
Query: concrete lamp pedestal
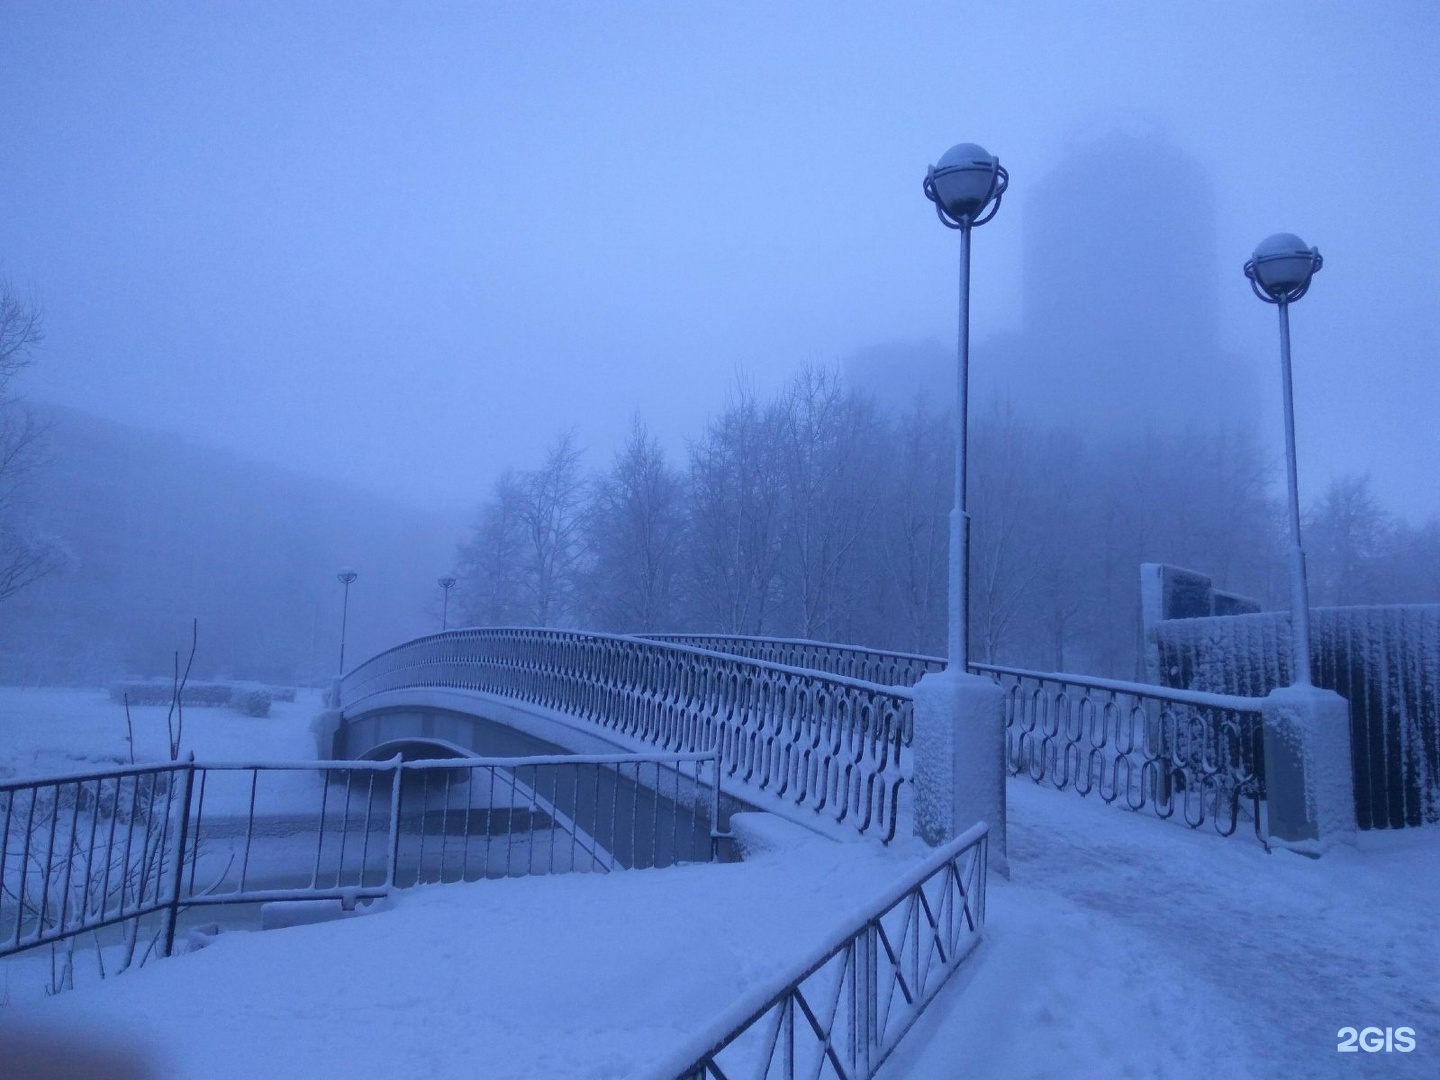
1309 787
959 754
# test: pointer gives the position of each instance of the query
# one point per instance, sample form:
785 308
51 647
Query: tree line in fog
817 514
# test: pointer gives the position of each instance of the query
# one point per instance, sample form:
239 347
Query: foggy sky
405 247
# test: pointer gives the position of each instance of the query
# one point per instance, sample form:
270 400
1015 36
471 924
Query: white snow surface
1122 947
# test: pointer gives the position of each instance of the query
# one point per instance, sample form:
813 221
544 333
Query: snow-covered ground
1128 947
47 732
1122 946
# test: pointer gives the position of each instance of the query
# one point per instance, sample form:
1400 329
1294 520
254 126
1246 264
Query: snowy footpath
1122 947
1127 947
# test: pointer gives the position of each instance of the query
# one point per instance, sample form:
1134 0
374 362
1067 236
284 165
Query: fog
401 251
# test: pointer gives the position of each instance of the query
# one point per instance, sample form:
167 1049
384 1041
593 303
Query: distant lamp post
346 577
446 584
1280 273
966 187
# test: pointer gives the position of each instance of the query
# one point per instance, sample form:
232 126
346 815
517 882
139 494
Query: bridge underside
415 749
450 723
646 814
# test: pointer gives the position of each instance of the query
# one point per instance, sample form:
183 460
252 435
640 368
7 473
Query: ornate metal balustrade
852 661
826 742
82 853
1177 754
1142 747
844 1009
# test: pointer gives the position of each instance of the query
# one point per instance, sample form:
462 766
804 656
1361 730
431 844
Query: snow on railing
90 851
828 742
87 852
1383 659
844 1009
1142 746
1138 746
854 661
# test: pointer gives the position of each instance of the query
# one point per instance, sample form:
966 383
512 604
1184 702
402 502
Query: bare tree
1409 568
25 556
520 564
734 521
489 564
633 538
1347 537
917 508
827 446
551 516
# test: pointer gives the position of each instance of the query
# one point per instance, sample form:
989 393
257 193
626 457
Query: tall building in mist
1121 320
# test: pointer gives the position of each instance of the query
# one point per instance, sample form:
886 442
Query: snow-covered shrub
162 692
253 702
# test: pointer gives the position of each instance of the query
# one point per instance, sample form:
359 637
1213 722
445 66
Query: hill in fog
159 530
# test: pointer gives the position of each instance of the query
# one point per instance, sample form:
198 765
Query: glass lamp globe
1283 264
964 179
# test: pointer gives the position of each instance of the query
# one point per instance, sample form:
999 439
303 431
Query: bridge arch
413 748
822 748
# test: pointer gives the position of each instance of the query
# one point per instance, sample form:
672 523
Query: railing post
715 833
393 857
867 1018
172 912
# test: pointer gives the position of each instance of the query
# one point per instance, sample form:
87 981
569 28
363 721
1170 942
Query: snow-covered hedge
1384 660
251 699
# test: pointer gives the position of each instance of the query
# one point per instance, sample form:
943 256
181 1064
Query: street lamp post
1280 273
966 187
446 584
346 577
959 717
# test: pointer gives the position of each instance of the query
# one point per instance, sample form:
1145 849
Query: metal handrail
83 852
852 1018
1201 698
796 648
905 669
1138 745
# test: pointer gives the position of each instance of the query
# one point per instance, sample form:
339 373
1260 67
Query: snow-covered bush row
249 698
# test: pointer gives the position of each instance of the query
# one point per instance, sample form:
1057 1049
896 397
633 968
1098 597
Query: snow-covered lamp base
959 750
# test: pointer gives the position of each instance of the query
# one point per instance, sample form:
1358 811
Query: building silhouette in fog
1120 321
1121 312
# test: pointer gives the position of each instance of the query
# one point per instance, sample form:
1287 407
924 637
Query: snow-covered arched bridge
797 724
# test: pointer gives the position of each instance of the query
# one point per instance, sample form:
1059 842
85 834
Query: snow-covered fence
86 852
340 830
1174 753
1384 660
825 742
90 851
845 1008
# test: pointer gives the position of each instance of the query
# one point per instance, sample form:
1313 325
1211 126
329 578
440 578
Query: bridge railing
87 852
1182 755
825 742
842 1011
853 661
